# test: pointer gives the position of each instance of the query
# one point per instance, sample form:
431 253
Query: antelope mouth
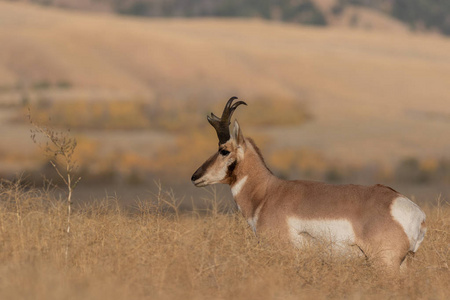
200 183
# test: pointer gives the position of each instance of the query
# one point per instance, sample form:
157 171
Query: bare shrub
60 146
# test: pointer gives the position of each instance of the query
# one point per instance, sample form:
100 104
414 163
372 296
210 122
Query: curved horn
222 124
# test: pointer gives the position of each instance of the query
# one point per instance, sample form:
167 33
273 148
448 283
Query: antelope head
219 167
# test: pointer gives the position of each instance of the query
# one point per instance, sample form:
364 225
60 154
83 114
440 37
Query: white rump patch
338 232
237 187
410 217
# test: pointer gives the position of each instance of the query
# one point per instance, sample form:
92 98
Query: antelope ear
237 134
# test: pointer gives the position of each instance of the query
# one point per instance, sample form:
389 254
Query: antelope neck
252 180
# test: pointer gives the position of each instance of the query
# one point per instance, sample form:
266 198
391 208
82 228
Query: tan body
377 220
366 208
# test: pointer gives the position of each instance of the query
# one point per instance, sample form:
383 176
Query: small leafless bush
60 147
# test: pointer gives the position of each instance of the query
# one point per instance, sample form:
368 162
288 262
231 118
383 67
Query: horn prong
222 124
235 105
214 117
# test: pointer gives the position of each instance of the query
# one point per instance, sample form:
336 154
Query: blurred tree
419 14
410 171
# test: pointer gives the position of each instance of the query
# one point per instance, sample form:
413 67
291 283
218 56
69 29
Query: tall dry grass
155 252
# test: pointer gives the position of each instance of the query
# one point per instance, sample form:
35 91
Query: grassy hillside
373 97
204 58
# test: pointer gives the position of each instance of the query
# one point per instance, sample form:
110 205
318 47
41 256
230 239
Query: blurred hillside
430 15
324 103
418 15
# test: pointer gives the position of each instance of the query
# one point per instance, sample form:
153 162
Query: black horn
222 124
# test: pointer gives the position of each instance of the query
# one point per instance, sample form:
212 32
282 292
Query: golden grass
156 253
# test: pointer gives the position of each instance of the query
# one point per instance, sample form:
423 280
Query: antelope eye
224 152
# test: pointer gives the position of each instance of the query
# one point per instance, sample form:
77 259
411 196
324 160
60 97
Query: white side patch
410 217
339 232
237 187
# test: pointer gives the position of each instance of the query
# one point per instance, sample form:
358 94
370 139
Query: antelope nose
195 177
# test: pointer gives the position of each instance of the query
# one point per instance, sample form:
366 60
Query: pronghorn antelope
378 221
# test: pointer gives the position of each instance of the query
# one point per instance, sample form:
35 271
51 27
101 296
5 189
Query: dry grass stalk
60 146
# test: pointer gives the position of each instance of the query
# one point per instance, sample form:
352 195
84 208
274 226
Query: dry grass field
155 252
137 91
